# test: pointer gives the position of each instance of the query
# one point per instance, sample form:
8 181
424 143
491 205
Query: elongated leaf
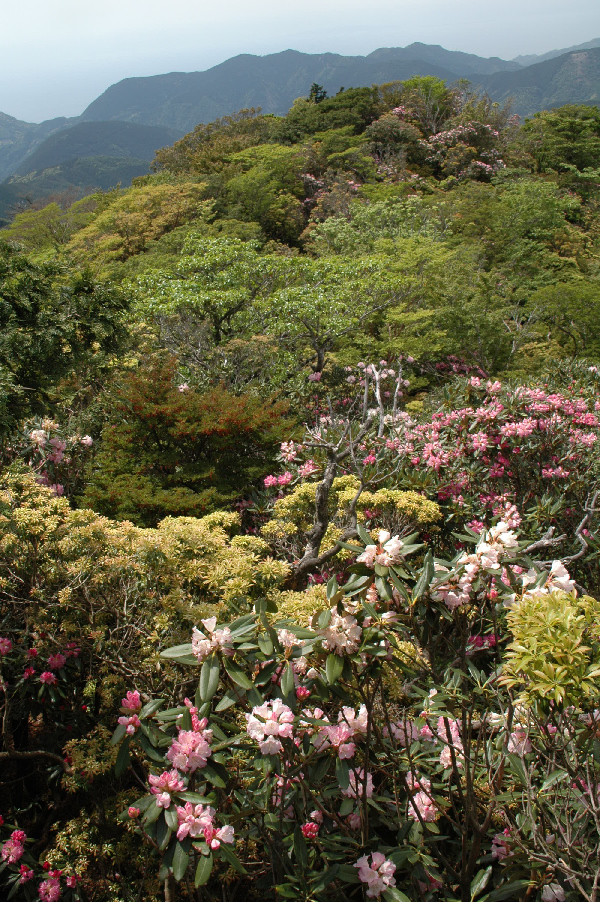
342 773
209 678
118 734
425 577
510 890
480 881
393 894
171 817
300 847
152 814
177 652
213 777
334 666
204 869
122 762
287 680
151 707
231 858
363 534
237 674
181 860
265 644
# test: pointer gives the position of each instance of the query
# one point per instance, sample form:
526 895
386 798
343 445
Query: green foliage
555 653
53 325
174 451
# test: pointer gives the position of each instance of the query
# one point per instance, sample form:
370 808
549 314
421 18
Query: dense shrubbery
365 665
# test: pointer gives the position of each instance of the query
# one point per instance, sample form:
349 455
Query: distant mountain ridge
116 136
183 99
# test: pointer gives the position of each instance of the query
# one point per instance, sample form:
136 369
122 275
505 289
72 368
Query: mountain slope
183 99
98 139
81 159
571 78
17 139
532 58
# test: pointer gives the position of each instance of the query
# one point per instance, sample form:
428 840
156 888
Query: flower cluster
268 724
377 873
198 821
217 639
386 553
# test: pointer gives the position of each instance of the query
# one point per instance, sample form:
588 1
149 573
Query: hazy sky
56 56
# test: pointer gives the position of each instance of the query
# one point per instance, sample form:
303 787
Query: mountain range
116 136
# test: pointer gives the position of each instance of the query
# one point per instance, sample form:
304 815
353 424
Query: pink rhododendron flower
28 672
310 830
163 785
87 441
518 742
193 820
72 881
270 481
285 478
356 787
500 846
49 890
314 377
191 750
132 701
216 640
214 837
131 723
12 850
48 678
56 662
25 874
343 634
5 645
307 469
378 873
268 723
133 812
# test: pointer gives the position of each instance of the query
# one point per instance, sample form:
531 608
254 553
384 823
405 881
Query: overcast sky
56 56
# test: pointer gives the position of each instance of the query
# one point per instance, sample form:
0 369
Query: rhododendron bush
400 703
321 759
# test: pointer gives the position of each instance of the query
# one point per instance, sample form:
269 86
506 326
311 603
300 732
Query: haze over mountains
114 139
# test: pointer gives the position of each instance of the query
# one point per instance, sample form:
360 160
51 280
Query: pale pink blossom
5 645
191 750
215 837
553 892
163 785
268 724
193 820
56 662
48 678
131 723
356 786
378 873
518 742
342 635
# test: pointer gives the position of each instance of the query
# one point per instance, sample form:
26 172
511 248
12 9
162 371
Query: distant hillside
81 159
98 139
183 99
533 58
571 78
17 139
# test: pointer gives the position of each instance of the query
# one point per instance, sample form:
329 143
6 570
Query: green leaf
480 881
324 619
237 674
209 678
118 734
122 762
334 666
553 778
230 699
195 797
425 577
395 895
151 707
265 644
178 652
151 751
152 814
171 817
300 847
342 773
287 680
364 535
213 777
510 890
204 869
181 860
163 833
231 858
